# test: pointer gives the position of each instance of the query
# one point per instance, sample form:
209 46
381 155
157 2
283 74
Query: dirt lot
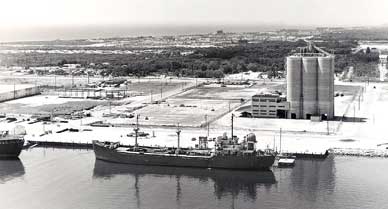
43 104
186 112
230 92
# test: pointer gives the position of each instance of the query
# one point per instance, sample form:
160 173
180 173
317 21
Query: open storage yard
188 107
186 112
229 92
44 104
191 107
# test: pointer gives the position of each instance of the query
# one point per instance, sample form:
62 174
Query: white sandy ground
366 135
42 100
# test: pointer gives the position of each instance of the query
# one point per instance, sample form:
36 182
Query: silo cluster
310 85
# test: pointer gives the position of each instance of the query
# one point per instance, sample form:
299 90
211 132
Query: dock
306 155
361 152
73 145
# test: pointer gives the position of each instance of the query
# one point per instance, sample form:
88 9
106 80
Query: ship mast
136 131
232 125
207 123
280 147
178 132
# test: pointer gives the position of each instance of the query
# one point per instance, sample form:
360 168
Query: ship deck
163 154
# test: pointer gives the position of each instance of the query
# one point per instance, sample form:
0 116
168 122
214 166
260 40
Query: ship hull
247 162
11 148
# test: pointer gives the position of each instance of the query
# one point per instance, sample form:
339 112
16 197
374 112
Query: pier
73 145
361 152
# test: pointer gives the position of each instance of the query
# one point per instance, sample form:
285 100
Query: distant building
330 29
220 32
72 66
269 105
374 52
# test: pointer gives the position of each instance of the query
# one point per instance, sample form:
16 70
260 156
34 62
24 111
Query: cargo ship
10 145
228 153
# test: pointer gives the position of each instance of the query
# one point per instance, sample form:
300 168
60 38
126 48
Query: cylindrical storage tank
310 90
294 85
332 110
326 86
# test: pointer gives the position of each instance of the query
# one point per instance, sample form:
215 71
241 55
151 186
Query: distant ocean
90 32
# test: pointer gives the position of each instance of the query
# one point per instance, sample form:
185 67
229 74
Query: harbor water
66 178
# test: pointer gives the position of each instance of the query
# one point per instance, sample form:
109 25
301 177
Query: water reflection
311 177
225 181
10 169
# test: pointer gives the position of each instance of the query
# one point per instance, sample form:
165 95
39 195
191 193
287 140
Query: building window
272 106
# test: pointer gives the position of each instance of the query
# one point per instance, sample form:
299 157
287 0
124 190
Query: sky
32 13
72 19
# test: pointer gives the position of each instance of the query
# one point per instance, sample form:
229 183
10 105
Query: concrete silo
310 84
294 86
326 86
310 87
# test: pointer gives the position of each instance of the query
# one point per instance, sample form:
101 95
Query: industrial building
269 105
310 84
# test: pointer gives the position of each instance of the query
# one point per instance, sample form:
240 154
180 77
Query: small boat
285 161
10 145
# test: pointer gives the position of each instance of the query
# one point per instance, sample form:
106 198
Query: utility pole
72 80
274 143
151 96
14 88
280 138
208 129
328 130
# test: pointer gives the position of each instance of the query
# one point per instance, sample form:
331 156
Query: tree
213 65
252 67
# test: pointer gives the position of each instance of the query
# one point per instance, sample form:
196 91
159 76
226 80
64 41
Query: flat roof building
269 105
